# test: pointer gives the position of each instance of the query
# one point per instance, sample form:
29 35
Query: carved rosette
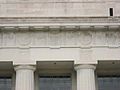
24 38
85 38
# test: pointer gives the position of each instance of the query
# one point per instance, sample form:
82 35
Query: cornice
56 23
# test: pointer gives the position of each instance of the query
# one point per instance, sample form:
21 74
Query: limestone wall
58 8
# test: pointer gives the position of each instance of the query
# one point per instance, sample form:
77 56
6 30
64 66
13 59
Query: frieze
111 38
86 38
54 38
118 38
8 39
72 38
69 37
23 38
39 38
0 39
100 38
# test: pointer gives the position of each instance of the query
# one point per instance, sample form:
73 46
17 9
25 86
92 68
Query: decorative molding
85 66
57 22
59 38
24 67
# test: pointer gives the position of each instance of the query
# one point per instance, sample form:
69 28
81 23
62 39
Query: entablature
56 32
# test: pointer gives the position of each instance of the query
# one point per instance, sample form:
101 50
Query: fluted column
24 77
85 77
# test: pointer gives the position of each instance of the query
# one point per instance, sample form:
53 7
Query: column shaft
85 77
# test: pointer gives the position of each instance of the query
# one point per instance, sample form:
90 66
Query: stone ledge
41 20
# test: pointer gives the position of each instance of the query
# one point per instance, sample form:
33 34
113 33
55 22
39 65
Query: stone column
85 77
24 77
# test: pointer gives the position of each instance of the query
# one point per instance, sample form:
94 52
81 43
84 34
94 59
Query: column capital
85 74
20 67
24 77
85 66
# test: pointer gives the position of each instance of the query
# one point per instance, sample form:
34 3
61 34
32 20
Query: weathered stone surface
57 8
63 38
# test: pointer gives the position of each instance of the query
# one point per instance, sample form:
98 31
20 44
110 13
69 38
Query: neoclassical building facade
59 44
